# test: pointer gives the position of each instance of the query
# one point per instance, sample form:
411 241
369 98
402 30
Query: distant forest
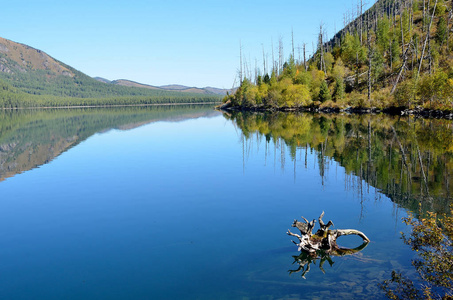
396 54
37 88
11 97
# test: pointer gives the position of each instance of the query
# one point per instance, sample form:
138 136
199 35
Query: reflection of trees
408 160
432 238
29 138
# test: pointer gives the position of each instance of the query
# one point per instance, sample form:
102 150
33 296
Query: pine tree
441 33
339 89
324 93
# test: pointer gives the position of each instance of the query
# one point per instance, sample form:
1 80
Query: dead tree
320 245
241 75
402 69
280 55
370 57
305 60
322 64
426 39
324 239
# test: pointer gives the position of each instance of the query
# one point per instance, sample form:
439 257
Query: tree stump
322 244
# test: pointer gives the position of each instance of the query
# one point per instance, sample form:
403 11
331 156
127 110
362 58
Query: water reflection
98 220
409 160
432 238
30 138
305 259
321 245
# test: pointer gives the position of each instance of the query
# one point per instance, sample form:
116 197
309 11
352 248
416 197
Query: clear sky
194 43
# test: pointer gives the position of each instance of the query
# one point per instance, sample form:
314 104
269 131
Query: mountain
15 57
170 87
220 91
129 83
102 80
182 88
205 90
177 88
30 77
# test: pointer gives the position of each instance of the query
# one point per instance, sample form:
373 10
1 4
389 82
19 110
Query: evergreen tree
339 89
441 33
324 93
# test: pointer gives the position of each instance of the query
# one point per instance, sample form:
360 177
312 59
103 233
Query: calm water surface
188 203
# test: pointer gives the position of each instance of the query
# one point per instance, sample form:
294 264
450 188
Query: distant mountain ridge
169 87
30 77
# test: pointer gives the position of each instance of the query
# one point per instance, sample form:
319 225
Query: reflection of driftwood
320 245
305 259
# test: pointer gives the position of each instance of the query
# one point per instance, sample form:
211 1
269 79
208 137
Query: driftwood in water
322 244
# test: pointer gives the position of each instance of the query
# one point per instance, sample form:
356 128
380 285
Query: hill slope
17 57
398 54
25 70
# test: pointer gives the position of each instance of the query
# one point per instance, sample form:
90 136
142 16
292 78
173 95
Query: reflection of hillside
409 160
16 159
30 138
176 118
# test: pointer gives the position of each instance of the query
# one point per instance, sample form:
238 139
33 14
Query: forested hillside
396 54
30 77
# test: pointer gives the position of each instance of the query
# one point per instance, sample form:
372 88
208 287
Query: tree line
13 97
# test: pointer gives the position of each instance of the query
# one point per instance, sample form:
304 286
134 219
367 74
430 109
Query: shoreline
104 106
394 111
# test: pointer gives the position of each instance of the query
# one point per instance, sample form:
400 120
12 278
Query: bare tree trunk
402 31
411 20
430 57
298 50
361 22
321 50
421 168
370 56
305 61
403 67
424 15
240 63
273 58
256 71
426 40
280 54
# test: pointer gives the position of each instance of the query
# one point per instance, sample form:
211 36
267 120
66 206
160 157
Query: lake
183 202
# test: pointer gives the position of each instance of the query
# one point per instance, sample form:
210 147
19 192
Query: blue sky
194 43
